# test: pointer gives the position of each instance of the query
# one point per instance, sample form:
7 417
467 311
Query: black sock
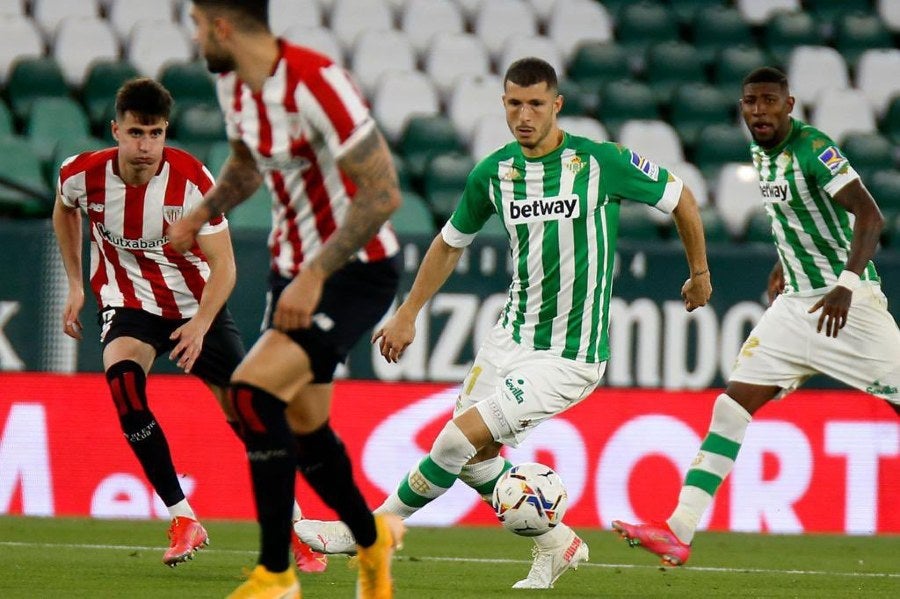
267 438
128 385
323 462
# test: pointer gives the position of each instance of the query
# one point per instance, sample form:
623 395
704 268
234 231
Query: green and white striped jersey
812 232
561 214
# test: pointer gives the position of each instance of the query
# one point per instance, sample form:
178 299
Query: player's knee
452 447
260 415
127 383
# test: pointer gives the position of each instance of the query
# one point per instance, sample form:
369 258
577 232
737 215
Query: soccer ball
530 499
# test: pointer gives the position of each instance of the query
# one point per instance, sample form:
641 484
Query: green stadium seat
445 179
786 31
197 127
890 123
425 136
884 186
596 64
254 213
670 64
624 100
635 223
23 190
103 80
189 83
714 229
686 10
719 144
576 100
33 78
640 24
732 64
613 7
719 27
856 32
403 177
828 12
7 126
71 146
868 152
493 229
696 105
53 119
759 228
413 217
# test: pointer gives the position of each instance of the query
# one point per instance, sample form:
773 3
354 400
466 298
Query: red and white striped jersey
307 115
132 263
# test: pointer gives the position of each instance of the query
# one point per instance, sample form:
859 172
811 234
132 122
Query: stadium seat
758 228
320 39
625 100
813 69
422 20
453 57
828 12
843 111
542 9
498 20
27 193
123 15
759 12
32 78
694 179
890 123
714 229
868 152
685 11
81 41
469 8
254 213
197 127
576 101
583 126
424 137
473 97
154 44
737 196
349 18
400 95
377 52
889 12
695 105
597 63
413 218
884 186
52 119
785 31
636 224
286 13
519 46
189 83
670 64
103 79
19 39
7 125
574 22
878 76
445 179
732 64
717 145
719 27
857 32
72 146
655 140
640 24
12 8
48 14
491 132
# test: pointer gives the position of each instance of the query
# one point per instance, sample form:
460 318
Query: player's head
766 105
142 112
532 103
217 21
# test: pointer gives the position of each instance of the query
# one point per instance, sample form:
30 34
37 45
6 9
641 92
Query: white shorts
784 348
515 388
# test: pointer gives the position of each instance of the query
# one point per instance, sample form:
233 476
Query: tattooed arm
237 182
368 164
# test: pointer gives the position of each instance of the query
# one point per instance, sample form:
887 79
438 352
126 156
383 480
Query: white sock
713 463
482 476
182 508
554 538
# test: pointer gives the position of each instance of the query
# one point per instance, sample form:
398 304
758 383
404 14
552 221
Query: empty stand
454 56
320 39
154 44
843 111
19 38
498 20
349 18
813 69
878 76
737 196
655 140
377 52
759 12
422 20
471 98
574 22
81 41
401 95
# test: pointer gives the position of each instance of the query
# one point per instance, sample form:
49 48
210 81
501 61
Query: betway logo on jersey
131 244
532 210
774 191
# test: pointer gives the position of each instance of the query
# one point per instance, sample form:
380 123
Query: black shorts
353 301
222 349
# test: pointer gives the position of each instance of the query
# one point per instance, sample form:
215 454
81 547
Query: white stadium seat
498 20
843 111
318 38
422 20
349 18
575 21
153 44
517 47
758 12
737 196
814 69
399 95
287 13
489 132
79 42
878 76
452 56
377 52
19 37
49 13
656 140
584 126
124 14
472 97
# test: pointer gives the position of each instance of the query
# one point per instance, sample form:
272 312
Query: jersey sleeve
70 189
827 165
630 176
333 107
472 211
194 192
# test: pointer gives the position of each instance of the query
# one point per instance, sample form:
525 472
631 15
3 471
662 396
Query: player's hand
835 306
183 232
299 299
696 291
71 322
775 286
396 335
190 343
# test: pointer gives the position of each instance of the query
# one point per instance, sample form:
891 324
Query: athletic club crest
172 213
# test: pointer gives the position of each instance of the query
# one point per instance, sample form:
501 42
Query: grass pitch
96 558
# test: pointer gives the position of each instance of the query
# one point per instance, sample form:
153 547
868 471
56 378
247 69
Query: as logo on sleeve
645 166
833 160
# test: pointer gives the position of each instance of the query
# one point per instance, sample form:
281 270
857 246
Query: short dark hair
767 75
247 14
147 99
531 71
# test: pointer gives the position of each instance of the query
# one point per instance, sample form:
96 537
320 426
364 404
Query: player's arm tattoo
237 181
368 164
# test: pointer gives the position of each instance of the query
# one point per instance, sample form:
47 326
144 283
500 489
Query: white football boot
551 563
326 536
